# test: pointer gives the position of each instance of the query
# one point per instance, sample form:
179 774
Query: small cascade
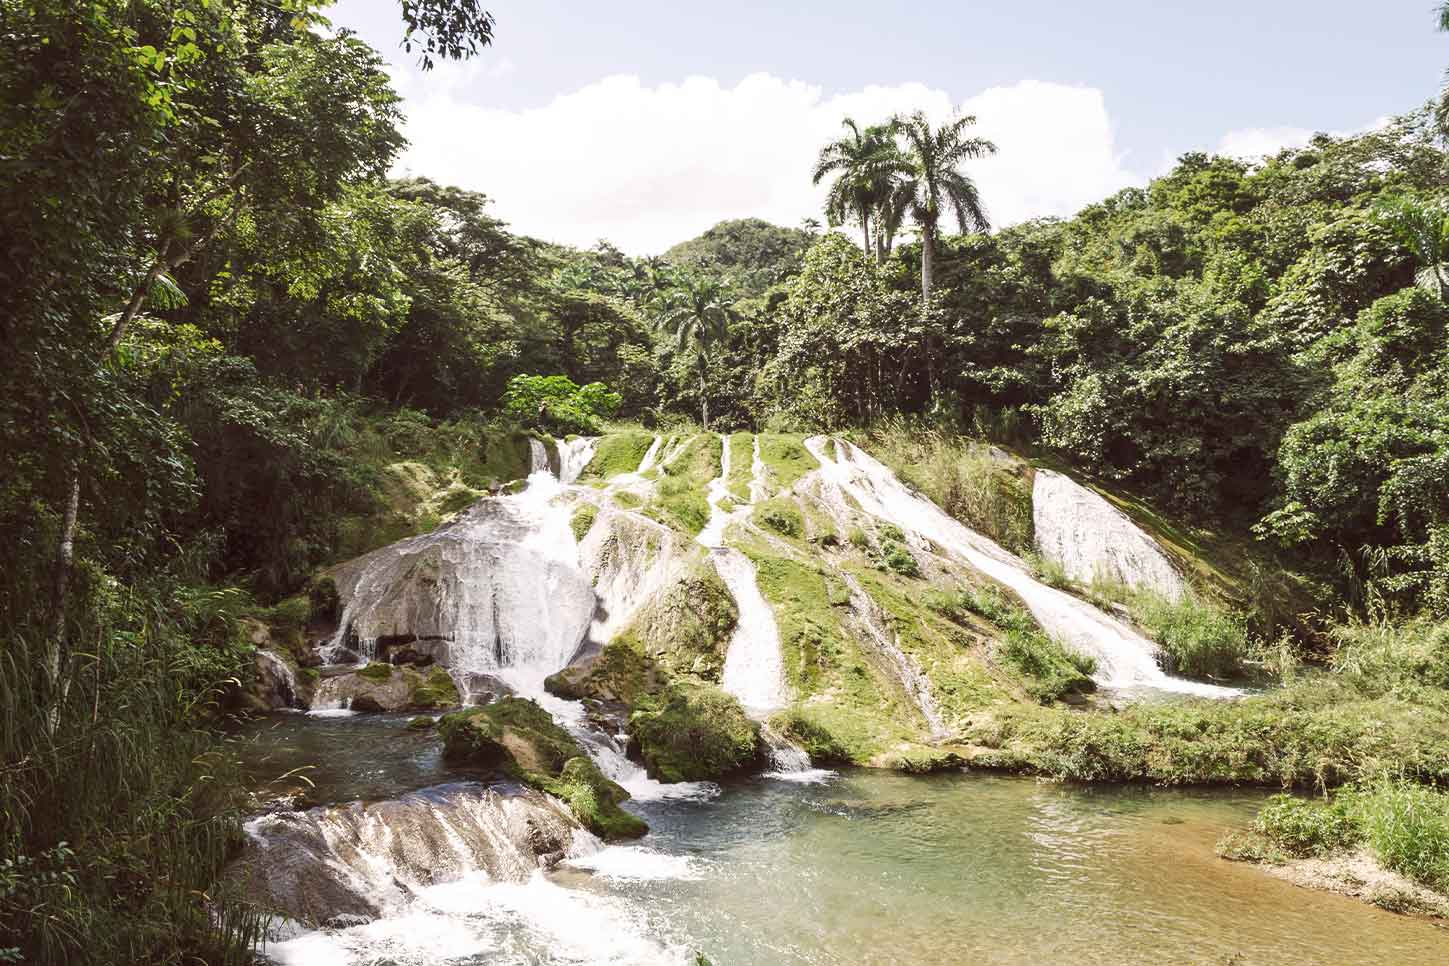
573 455
754 670
608 753
275 680
1125 659
907 671
788 761
370 859
651 456
538 456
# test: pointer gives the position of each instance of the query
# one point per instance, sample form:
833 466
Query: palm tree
697 313
1422 228
1441 110
868 163
935 180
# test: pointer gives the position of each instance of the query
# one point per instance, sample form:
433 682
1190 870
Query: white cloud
647 167
1257 142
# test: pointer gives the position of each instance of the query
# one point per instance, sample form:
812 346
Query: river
866 868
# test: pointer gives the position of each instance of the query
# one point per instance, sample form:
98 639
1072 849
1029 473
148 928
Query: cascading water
573 455
651 455
917 685
753 669
538 456
277 679
447 874
1124 658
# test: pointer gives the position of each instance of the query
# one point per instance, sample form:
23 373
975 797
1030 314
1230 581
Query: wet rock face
1091 539
362 861
499 588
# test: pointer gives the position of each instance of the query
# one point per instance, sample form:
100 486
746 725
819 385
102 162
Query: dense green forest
219 317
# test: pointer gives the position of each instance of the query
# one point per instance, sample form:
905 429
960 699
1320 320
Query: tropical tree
868 165
1422 228
934 180
697 314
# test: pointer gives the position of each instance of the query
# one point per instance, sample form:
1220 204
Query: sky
646 122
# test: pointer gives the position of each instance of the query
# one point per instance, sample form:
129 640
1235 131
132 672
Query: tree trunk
865 229
55 647
928 245
704 399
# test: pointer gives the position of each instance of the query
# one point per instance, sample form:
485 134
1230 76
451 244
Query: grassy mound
518 736
693 732
617 453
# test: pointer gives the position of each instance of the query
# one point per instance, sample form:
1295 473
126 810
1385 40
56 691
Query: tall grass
984 491
1198 638
116 804
1406 826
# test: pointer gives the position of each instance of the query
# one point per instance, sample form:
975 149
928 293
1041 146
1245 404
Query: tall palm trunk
703 394
928 246
865 229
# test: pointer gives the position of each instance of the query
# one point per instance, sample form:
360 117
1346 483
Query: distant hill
753 253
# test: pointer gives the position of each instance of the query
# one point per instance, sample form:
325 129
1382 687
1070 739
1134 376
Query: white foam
636 862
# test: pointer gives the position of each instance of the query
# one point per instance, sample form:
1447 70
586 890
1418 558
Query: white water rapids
1125 659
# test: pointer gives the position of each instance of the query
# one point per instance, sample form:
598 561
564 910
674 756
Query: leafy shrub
782 516
1413 652
1407 826
1303 827
898 557
555 403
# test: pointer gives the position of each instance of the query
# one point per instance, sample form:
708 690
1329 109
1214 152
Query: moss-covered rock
422 722
437 690
519 737
583 520
684 632
380 687
693 732
617 453
376 671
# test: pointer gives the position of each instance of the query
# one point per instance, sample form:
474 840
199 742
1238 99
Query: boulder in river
382 687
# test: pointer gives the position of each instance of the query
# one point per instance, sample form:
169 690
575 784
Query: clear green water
871 868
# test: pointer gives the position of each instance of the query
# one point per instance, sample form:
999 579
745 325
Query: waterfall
917 685
788 761
757 473
753 669
538 456
447 874
573 455
371 859
1125 659
501 583
651 455
1092 539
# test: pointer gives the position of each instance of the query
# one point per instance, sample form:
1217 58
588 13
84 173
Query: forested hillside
223 325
